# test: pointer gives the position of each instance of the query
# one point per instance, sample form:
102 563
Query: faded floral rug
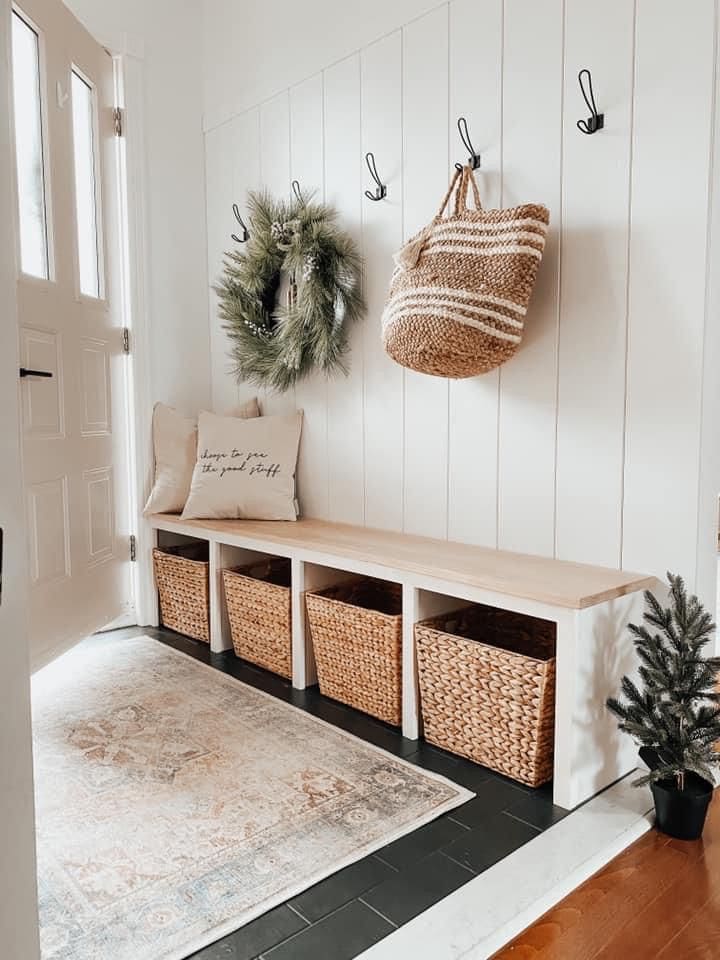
175 804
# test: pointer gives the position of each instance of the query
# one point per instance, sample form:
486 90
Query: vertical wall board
674 79
246 176
343 182
219 54
593 293
532 132
275 145
307 167
425 161
476 49
218 174
381 67
709 486
275 177
306 136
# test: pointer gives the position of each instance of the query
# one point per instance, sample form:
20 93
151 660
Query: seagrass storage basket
487 688
356 631
462 285
258 608
181 575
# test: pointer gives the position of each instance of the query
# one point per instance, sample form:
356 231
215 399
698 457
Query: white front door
73 368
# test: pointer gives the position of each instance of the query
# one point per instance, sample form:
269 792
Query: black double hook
380 188
245 234
596 121
296 190
474 158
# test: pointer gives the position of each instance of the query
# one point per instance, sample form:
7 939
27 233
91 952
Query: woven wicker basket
183 586
461 288
356 631
258 607
487 686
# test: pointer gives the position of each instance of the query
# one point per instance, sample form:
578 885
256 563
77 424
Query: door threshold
485 914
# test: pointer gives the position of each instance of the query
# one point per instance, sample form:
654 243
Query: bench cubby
258 606
355 627
181 575
487 688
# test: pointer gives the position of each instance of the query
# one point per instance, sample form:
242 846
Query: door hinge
133 547
126 340
117 116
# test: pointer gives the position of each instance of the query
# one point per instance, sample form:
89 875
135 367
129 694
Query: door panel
42 398
99 485
49 534
95 366
75 422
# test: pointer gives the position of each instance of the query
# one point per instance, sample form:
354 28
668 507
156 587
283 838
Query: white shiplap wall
586 445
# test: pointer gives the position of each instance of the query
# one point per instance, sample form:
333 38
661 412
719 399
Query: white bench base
594 649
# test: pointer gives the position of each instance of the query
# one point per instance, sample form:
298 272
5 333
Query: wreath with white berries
273 344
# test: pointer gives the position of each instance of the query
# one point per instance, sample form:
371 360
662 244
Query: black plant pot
681 813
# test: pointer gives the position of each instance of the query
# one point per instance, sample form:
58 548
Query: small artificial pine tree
676 716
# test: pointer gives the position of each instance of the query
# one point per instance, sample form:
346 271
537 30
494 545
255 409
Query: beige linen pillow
175 444
245 468
247 410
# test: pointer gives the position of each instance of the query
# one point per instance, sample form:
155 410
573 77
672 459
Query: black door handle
25 372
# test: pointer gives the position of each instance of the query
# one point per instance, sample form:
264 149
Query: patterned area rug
175 804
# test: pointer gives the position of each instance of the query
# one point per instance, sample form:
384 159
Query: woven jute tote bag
461 287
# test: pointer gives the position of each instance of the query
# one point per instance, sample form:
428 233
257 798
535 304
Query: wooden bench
590 605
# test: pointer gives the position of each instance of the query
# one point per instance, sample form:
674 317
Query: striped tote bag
461 287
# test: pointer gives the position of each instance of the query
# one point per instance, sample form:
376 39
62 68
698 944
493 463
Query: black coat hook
381 189
296 190
474 158
245 234
596 121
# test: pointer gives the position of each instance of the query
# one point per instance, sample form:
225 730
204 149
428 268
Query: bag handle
467 179
407 257
446 199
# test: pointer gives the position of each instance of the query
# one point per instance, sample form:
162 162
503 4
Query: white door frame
18 885
131 68
129 56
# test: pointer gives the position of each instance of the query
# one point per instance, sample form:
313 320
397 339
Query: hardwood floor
659 900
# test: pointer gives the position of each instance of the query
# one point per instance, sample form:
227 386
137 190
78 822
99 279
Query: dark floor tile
257 677
421 843
340 888
194 648
305 699
123 633
546 790
261 934
359 724
330 710
457 769
411 891
537 810
492 797
381 735
341 936
497 837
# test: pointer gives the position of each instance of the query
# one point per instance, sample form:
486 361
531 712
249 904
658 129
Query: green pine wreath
275 345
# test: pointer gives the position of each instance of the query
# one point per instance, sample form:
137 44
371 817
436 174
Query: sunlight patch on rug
175 804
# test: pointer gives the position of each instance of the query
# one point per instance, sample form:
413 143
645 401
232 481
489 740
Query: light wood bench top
556 582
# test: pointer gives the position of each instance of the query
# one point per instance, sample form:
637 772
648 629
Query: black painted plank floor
345 914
